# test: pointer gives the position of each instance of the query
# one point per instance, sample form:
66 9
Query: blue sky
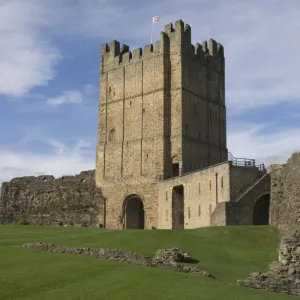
49 74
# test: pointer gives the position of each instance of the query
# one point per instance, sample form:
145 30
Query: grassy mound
229 253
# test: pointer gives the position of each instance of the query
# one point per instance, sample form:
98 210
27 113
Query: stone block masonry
44 200
161 108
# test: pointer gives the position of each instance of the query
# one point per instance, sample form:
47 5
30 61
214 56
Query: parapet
174 39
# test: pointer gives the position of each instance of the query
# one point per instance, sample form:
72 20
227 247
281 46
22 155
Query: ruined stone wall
43 200
277 206
283 276
285 195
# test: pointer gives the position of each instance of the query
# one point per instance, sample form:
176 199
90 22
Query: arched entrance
133 213
261 210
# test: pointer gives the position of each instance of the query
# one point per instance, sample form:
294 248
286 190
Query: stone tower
162 114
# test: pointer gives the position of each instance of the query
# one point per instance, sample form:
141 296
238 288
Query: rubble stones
165 258
283 276
173 255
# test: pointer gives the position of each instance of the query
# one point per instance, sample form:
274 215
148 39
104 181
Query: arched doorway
261 210
133 213
178 207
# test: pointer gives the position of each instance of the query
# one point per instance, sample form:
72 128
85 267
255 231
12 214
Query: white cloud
259 39
75 97
249 141
63 160
27 57
256 141
258 36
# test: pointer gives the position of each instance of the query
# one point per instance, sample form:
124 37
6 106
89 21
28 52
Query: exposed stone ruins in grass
283 276
166 258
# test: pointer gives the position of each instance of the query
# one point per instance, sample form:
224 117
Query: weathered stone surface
143 113
172 255
163 258
285 195
43 200
283 276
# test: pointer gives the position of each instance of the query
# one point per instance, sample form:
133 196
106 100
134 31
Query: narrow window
199 188
222 182
111 135
166 195
199 210
210 185
175 169
189 212
167 214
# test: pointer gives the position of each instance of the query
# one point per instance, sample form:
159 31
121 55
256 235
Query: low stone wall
44 200
283 276
166 258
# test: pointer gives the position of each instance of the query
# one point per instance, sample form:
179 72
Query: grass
229 253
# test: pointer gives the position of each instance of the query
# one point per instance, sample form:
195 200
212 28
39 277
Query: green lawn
229 253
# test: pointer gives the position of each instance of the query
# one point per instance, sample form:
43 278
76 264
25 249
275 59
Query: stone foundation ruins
167 258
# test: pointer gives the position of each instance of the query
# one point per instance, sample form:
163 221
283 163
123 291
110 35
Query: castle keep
162 159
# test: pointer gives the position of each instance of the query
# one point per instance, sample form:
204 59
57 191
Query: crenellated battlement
174 39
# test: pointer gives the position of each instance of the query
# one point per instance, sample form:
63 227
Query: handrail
244 162
245 189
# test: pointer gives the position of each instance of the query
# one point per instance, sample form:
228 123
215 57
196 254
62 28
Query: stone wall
283 275
44 200
203 190
285 195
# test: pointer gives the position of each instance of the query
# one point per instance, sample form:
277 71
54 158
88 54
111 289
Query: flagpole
151 31
154 20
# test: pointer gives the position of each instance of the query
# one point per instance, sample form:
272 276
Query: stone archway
261 210
133 213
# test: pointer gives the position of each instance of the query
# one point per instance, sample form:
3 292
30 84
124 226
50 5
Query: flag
155 19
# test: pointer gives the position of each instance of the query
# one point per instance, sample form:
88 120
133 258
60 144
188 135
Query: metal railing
245 162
